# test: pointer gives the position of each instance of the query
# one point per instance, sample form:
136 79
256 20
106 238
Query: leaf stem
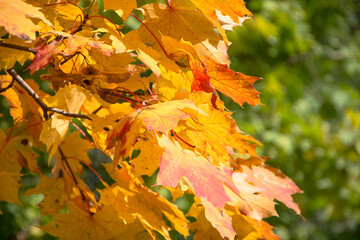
131 94
73 27
168 2
178 137
82 132
158 41
87 12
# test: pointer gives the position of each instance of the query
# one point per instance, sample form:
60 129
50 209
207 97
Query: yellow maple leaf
104 224
165 116
54 130
235 9
215 133
16 152
182 21
10 184
149 158
20 25
219 220
53 190
122 7
148 206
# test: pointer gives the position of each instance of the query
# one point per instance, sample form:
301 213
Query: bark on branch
17 47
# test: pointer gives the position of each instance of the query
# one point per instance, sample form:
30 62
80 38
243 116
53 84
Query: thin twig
37 99
7 87
69 58
83 194
64 159
97 110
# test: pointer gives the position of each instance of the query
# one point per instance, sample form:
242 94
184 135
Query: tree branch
17 47
37 99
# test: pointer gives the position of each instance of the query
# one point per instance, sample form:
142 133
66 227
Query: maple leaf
75 43
202 81
216 131
149 158
203 227
219 220
124 135
53 132
184 18
122 7
165 116
153 58
103 125
104 223
16 152
235 9
171 83
134 199
20 25
227 22
53 190
235 85
116 63
248 228
158 117
80 152
10 184
206 180
273 186
43 56
249 202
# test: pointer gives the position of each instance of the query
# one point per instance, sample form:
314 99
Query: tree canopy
115 123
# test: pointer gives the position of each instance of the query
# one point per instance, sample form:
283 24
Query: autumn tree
147 98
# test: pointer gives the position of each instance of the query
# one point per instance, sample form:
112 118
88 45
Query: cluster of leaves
308 54
147 99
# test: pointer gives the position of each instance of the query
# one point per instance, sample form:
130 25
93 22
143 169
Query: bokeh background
308 54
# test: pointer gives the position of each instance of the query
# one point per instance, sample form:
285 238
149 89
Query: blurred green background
308 54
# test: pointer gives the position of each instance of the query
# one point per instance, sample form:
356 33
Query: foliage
131 122
308 54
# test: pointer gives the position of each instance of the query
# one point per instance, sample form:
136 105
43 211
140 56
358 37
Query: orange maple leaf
239 87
